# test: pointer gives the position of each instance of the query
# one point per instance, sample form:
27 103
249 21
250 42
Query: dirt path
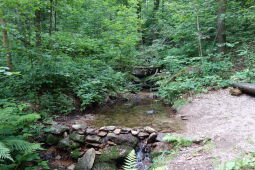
228 120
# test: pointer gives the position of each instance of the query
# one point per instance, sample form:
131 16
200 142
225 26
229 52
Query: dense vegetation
58 56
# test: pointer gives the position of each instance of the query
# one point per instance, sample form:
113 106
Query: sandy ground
228 120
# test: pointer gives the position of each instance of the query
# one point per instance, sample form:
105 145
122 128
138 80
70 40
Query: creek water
134 114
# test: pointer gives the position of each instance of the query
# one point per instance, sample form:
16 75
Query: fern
5 152
130 161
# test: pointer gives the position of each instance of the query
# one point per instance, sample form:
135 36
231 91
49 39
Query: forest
62 58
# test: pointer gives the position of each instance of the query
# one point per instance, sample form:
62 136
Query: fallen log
245 87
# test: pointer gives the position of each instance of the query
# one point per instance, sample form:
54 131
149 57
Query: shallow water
133 114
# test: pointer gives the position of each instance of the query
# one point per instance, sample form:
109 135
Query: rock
151 112
58 157
135 132
78 127
143 134
108 128
235 92
152 138
58 129
67 144
93 139
149 129
71 167
160 137
117 131
104 166
184 117
114 153
87 161
94 145
125 130
91 131
111 143
52 139
75 154
65 135
123 139
102 133
77 137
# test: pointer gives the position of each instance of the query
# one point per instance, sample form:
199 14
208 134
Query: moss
75 154
52 139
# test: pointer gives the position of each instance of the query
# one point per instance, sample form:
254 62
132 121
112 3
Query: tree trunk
155 10
38 28
221 35
6 44
55 15
51 14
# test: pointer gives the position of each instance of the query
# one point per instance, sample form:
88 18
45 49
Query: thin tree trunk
51 14
199 36
55 15
6 44
221 35
38 28
155 10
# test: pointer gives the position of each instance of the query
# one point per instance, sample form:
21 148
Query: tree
221 30
6 43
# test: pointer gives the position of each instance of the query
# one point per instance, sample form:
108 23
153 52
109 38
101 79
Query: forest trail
230 123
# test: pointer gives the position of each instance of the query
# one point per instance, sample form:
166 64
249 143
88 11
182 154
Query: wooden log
245 87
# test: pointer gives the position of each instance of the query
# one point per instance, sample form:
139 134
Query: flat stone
95 145
87 161
58 129
91 131
125 130
149 129
143 134
78 126
135 132
151 112
93 139
102 133
117 131
108 128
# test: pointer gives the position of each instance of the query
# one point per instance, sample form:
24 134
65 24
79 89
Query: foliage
130 161
177 141
15 150
241 163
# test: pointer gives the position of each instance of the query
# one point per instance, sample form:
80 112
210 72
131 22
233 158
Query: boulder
77 137
93 139
123 139
58 129
87 161
151 138
114 153
160 137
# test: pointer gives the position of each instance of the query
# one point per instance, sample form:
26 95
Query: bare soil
230 123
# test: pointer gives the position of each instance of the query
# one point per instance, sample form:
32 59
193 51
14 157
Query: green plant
130 161
15 150
177 141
